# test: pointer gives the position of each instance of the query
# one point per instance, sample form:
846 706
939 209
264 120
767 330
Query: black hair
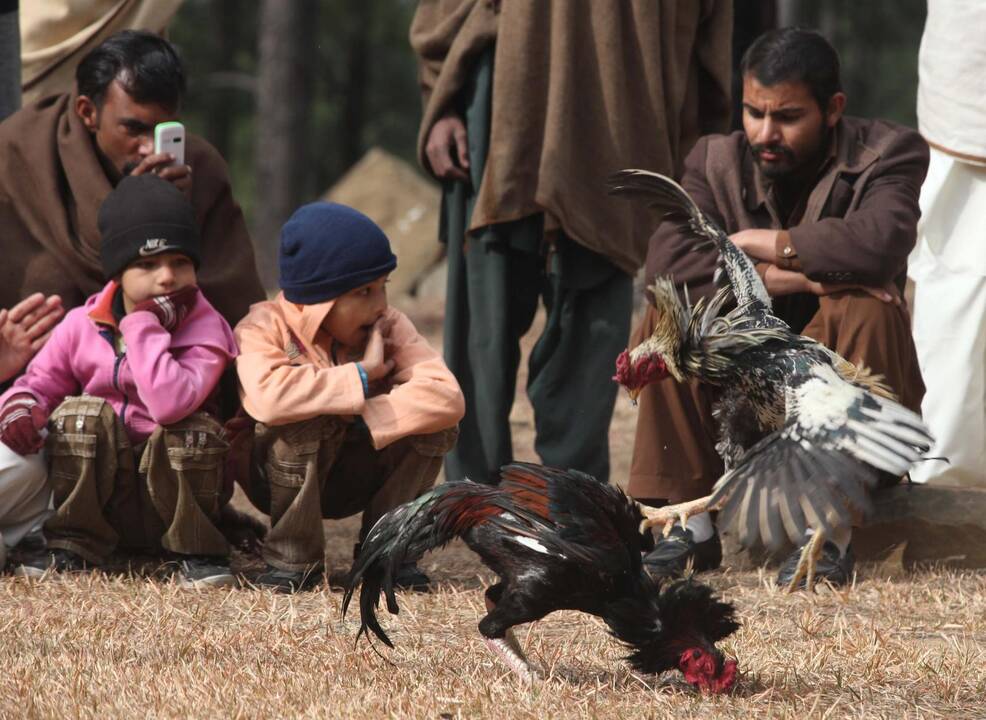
794 54
146 65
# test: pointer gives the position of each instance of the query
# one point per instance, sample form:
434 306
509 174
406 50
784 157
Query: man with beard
63 154
827 207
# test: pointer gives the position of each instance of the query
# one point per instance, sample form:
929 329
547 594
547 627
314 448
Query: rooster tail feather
406 533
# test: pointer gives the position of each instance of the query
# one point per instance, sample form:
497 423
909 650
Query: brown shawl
51 187
581 89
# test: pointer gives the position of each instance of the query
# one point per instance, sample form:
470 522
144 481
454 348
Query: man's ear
87 111
837 105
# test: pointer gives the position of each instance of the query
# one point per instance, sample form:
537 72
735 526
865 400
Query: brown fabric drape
580 90
51 186
57 34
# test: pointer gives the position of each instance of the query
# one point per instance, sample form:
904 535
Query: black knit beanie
145 215
328 249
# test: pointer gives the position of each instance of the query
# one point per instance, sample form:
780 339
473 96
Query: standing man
63 154
529 106
949 265
827 207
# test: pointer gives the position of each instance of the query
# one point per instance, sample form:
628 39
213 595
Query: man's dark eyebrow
135 124
784 112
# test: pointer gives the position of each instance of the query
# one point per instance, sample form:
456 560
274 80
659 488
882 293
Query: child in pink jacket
352 410
120 386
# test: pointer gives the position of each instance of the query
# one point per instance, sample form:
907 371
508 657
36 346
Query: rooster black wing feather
586 520
817 469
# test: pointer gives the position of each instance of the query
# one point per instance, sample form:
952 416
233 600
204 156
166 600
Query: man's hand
160 164
447 149
24 329
170 309
21 419
759 244
787 282
888 293
375 363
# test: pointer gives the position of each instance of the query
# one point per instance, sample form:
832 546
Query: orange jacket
285 377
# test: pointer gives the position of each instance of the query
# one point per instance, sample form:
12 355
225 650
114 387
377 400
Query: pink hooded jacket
158 379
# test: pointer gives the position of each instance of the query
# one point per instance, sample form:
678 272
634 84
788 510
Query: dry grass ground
913 645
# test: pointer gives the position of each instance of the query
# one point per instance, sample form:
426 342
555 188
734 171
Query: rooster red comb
635 375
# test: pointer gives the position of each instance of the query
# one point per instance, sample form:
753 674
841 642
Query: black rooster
558 541
803 432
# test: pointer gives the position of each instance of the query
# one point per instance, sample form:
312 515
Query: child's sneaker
201 571
288 581
57 560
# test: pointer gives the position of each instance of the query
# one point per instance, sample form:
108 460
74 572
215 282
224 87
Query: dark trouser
104 498
674 455
496 278
328 468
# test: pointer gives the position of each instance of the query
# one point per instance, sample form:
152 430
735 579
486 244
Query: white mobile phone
169 137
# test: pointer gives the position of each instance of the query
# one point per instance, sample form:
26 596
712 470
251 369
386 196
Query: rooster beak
633 395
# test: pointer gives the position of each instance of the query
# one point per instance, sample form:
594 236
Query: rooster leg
671 514
807 562
507 647
509 651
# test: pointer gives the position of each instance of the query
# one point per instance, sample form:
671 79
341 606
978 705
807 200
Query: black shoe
830 567
670 555
203 571
409 577
288 581
57 560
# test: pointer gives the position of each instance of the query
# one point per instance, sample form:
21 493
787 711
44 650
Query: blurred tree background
293 92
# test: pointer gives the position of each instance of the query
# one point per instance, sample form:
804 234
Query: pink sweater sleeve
48 376
425 397
171 384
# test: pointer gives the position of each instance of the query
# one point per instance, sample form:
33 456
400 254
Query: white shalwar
948 265
25 496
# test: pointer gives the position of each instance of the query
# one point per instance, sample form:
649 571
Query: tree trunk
283 108
356 83
219 122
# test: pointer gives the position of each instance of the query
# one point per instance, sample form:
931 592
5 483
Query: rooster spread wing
669 198
584 520
816 469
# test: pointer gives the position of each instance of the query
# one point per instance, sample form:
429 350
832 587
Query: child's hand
20 421
170 309
375 363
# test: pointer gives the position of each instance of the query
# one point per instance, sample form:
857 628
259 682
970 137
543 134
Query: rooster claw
671 515
508 649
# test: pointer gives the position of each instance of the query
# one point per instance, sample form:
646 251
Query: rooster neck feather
659 626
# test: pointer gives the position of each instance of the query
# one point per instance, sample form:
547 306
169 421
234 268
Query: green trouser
328 468
108 494
495 280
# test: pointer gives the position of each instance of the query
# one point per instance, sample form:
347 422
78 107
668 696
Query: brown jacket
581 89
51 186
857 225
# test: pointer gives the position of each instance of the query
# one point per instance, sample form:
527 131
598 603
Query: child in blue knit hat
351 409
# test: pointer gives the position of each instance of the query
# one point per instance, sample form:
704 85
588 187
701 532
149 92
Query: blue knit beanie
328 249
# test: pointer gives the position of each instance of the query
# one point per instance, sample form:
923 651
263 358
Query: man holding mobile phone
64 153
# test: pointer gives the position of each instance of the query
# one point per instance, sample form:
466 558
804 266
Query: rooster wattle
558 541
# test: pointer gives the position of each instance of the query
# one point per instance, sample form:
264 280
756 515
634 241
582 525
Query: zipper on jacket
116 384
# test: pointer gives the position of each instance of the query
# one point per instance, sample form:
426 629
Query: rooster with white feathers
803 432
